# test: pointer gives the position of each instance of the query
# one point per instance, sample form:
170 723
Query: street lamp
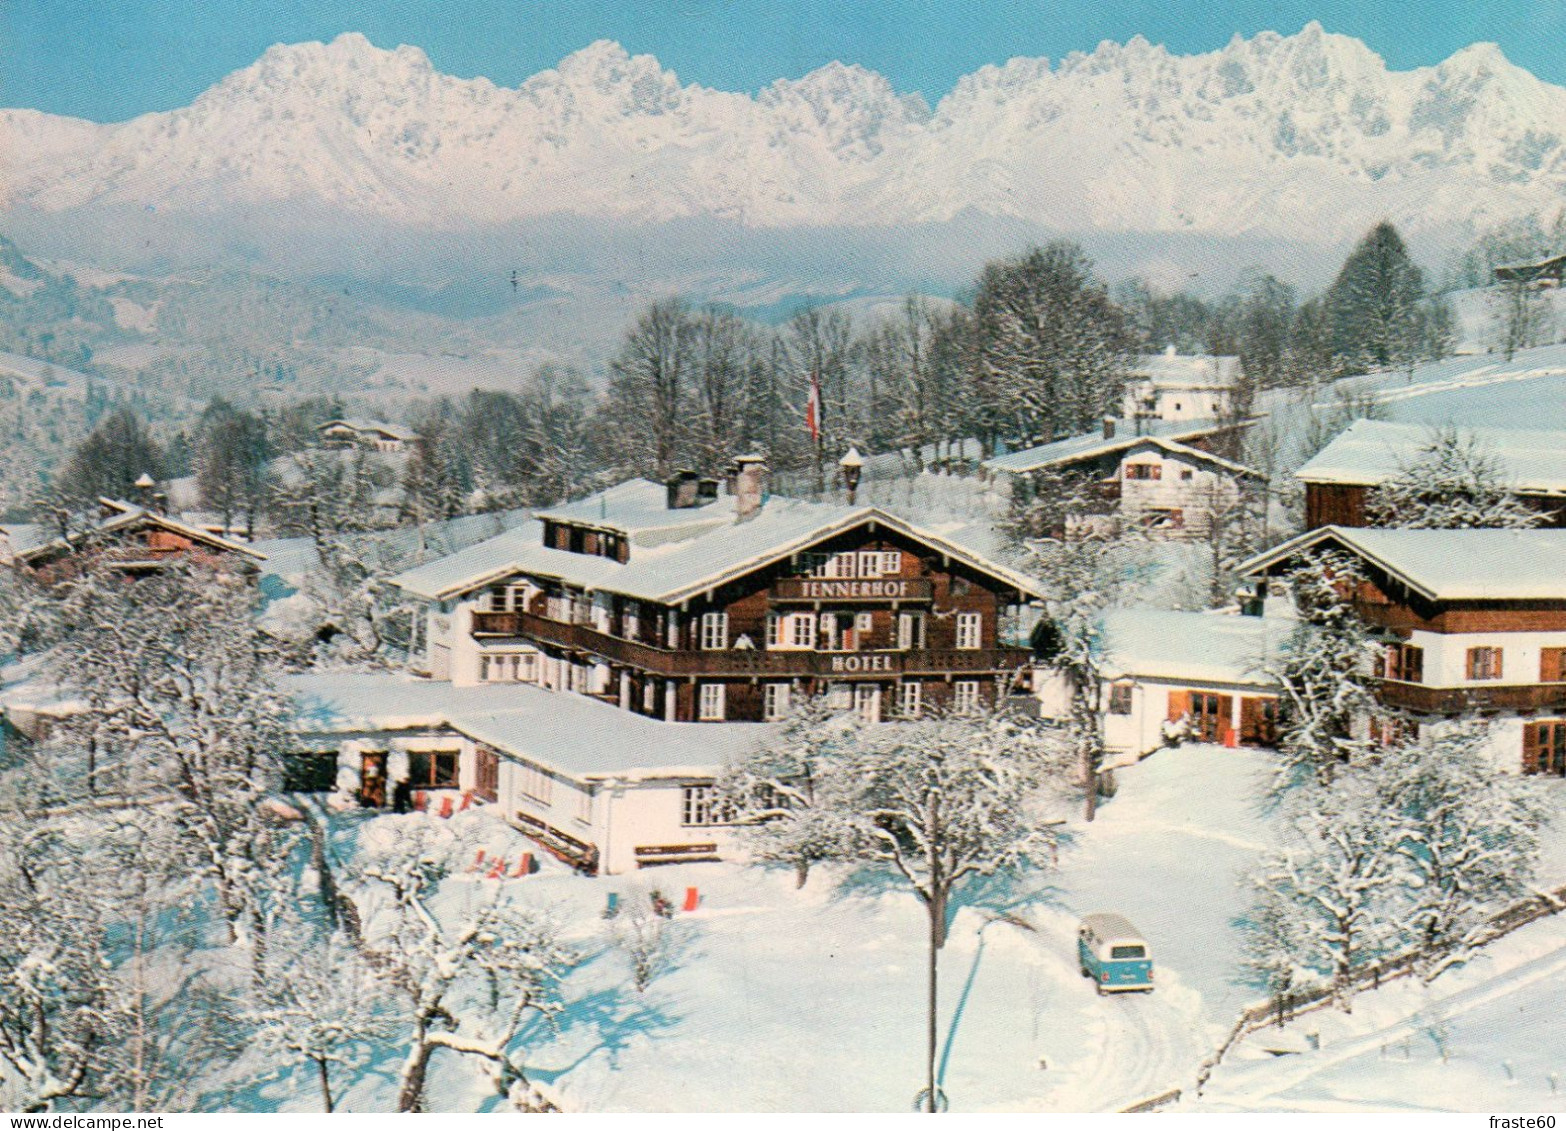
852 464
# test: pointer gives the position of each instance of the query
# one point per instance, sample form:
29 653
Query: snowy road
1148 1045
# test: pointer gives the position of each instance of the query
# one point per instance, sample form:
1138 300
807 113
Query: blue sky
112 59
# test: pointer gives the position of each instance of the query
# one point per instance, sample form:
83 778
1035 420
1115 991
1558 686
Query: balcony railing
748 662
1474 697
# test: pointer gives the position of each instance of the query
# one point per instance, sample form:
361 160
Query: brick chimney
750 487
683 487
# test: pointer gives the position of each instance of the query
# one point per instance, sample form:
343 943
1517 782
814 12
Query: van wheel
1084 971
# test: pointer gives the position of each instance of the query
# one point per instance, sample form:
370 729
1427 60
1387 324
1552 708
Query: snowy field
777 999
1485 1037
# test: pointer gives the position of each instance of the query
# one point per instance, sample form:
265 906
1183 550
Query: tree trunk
937 937
411 1097
326 1084
801 872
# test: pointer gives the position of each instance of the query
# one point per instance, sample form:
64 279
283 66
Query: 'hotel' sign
832 589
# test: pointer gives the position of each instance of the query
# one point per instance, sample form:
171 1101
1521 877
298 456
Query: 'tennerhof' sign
846 589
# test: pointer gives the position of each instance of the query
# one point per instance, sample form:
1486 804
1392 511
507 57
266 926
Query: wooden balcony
1473 697
735 662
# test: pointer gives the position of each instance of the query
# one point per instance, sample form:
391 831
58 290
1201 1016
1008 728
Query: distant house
1368 453
1205 676
1543 273
131 539
1474 624
377 435
1175 387
1165 482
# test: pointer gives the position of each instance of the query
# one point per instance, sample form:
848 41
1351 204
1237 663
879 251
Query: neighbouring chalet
1170 386
1368 453
681 604
1542 273
1166 482
376 435
1206 677
1474 623
606 790
132 539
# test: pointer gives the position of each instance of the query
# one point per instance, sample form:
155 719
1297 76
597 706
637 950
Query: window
302 773
869 563
910 699
826 632
535 783
864 622
507 667
965 696
774 630
840 696
867 701
432 769
714 631
703 806
801 631
1144 470
910 631
584 806
1127 951
1186 475
1544 748
1484 663
891 563
843 565
712 698
1406 662
516 597
774 701
1120 699
1552 665
968 629
486 774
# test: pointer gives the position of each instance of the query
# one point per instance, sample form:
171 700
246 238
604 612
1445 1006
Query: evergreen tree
1376 304
111 458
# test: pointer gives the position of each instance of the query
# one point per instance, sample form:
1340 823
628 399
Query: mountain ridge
1304 136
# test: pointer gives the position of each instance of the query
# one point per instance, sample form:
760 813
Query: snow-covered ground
1482 1037
784 999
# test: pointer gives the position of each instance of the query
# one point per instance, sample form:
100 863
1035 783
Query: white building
1204 676
1173 387
1163 482
377 435
607 790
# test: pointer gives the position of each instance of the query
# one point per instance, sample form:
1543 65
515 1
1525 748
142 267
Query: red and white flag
813 409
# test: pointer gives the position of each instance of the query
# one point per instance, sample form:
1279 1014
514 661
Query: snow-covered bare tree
1325 673
466 983
1083 578
178 696
1453 483
649 398
643 933
1337 877
319 1003
1052 347
940 800
320 493
1521 316
786 791
1471 837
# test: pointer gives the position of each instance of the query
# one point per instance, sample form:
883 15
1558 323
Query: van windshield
1127 952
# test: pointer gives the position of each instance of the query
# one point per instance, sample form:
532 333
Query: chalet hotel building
695 602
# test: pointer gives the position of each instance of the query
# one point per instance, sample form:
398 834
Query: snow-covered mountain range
1306 137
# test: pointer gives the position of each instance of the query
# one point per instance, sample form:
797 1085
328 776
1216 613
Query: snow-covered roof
640 506
1166 434
1170 370
394 431
19 537
1194 647
674 571
570 733
1371 452
1445 565
131 517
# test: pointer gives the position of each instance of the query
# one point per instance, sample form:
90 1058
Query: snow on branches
1453 483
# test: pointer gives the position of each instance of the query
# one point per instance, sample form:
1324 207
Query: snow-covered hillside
1308 136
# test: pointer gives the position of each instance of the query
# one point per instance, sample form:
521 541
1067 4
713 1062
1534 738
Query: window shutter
1550 664
1179 704
1531 748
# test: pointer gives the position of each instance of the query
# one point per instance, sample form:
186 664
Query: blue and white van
1114 954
